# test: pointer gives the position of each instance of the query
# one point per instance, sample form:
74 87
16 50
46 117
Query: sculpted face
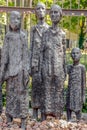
55 13
76 54
40 10
15 20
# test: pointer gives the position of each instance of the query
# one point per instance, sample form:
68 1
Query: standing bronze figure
15 70
36 36
76 85
53 67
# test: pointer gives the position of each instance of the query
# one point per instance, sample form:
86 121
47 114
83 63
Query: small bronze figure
36 36
53 66
76 85
15 70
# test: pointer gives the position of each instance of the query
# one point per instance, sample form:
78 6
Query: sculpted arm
25 59
64 50
31 49
42 52
83 83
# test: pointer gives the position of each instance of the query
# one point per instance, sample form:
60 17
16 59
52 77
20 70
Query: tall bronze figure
53 67
15 70
36 36
76 85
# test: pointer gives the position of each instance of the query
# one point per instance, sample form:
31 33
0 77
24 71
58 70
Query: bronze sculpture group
45 62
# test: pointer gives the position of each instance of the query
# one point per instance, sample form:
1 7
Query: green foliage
33 19
72 22
3 2
83 4
84 109
2 15
3 18
4 94
11 3
82 32
68 22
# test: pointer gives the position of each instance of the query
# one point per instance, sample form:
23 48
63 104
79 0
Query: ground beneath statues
49 124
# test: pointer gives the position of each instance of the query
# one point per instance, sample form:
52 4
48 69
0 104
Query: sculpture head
40 10
55 13
15 21
76 54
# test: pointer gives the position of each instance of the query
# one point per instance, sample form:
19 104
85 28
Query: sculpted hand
25 77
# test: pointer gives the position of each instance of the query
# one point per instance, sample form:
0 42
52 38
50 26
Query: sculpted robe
53 71
76 87
15 71
36 37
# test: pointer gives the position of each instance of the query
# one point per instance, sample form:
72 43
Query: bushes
85 105
84 110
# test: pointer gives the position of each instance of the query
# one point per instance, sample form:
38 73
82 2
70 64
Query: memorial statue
35 45
76 85
15 70
53 68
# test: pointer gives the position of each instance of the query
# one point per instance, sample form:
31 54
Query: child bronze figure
76 85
